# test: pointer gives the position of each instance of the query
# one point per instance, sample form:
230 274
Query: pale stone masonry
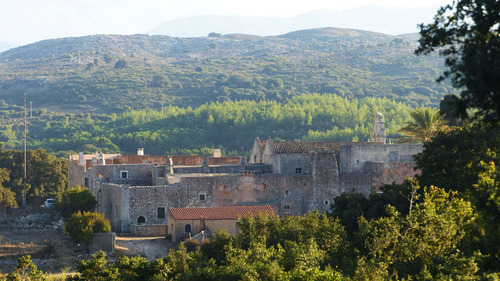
135 192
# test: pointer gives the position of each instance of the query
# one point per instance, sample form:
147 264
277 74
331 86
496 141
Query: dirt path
149 247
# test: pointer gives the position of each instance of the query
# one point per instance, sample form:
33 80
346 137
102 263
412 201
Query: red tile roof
219 213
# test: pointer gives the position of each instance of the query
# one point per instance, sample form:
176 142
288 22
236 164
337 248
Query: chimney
140 151
81 158
94 161
217 153
102 161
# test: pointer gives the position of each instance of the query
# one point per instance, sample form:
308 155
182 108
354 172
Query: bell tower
378 134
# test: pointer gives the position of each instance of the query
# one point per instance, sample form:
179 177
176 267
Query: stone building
183 222
135 192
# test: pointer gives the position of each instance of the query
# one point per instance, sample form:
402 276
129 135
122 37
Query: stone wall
76 175
356 182
389 173
214 225
177 227
326 182
150 230
353 157
289 163
114 203
103 241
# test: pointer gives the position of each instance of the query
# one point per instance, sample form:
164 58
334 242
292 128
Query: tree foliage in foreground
25 270
423 243
467 34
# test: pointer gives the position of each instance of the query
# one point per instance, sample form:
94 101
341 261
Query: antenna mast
25 171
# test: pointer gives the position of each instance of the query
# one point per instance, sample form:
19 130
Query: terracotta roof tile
219 213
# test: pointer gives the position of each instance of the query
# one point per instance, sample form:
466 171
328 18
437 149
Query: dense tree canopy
199 130
76 200
467 34
46 174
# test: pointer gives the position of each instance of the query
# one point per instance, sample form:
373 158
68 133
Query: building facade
135 192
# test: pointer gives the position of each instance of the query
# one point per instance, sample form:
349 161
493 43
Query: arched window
187 228
141 220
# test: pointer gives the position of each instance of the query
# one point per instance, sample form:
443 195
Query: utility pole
25 170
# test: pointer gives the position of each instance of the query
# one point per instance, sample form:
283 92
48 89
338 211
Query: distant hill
372 18
81 74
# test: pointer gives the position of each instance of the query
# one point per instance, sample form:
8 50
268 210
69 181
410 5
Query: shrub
191 245
121 64
81 226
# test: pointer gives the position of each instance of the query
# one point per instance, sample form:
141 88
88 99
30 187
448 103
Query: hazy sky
28 21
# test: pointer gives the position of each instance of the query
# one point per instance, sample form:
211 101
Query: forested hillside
112 73
231 126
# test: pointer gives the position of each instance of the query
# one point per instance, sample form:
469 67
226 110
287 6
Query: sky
27 21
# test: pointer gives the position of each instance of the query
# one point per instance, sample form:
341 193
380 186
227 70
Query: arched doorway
141 220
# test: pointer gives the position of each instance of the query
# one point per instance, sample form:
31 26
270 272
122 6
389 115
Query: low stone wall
103 241
30 221
149 230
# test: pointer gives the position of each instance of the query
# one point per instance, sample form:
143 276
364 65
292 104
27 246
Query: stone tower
378 134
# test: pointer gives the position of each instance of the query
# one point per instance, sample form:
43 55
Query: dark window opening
187 228
161 212
86 182
298 170
286 192
124 174
327 203
202 197
287 207
141 220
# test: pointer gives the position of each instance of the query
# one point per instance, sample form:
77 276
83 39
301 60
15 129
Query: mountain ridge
371 18
81 73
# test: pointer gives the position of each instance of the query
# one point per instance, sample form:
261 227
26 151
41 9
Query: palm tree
426 123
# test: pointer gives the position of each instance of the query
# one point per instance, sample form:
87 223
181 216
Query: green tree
421 245
426 123
120 64
94 269
76 200
7 197
467 34
160 81
453 160
47 175
81 226
26 270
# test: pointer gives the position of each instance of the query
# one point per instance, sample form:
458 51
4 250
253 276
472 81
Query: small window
298 170
187 228
327 203
124 174
202 196
286 193
160 213
86 182
141 220
287 207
